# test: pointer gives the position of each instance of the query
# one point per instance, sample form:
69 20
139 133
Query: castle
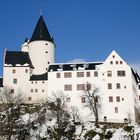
34 72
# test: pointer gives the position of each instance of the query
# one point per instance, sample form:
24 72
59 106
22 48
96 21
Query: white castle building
34 72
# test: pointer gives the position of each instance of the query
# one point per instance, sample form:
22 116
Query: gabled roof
1 82
72 67
41 32
17 58
39 77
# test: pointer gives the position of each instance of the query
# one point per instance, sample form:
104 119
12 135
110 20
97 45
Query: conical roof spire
41 32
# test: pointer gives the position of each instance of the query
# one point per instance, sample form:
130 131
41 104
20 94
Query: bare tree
94 102
62 127
10 105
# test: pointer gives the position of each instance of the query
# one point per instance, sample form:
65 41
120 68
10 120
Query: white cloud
136 67
76 60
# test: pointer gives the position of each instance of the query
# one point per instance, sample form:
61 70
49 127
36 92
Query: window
118 99
83 99
109 73
26 70
118 85
31 90
68 87
88 74
13 71
111 62
121 62
68 99
110 99
14 81
80 74
67 75
113 56
88 86
116 109
29 98
95 73
80 86
120 73
58 75
36 90
48 62
43 82
109 86
117 62
43 90
32 82
12 90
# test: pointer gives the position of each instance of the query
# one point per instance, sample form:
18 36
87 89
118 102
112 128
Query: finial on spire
41 9
40 12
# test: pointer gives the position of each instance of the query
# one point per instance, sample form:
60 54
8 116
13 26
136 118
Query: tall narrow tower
41 48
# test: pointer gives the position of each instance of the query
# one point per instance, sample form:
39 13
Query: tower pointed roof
41 32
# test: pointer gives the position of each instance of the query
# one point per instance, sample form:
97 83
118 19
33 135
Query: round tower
41 48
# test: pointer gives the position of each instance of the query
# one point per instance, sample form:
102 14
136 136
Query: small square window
110 99
13 71
117 62
36 82
68 87
109 73
116 109
67 75
26 70
80 87
111 62
43 82
121 62
36 90
80 74
31 90
43 90
95 73
14 81
29 98
109 86
118 85
58 75
88 74
113 56
118 99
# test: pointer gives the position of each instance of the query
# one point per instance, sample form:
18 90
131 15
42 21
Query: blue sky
82 29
